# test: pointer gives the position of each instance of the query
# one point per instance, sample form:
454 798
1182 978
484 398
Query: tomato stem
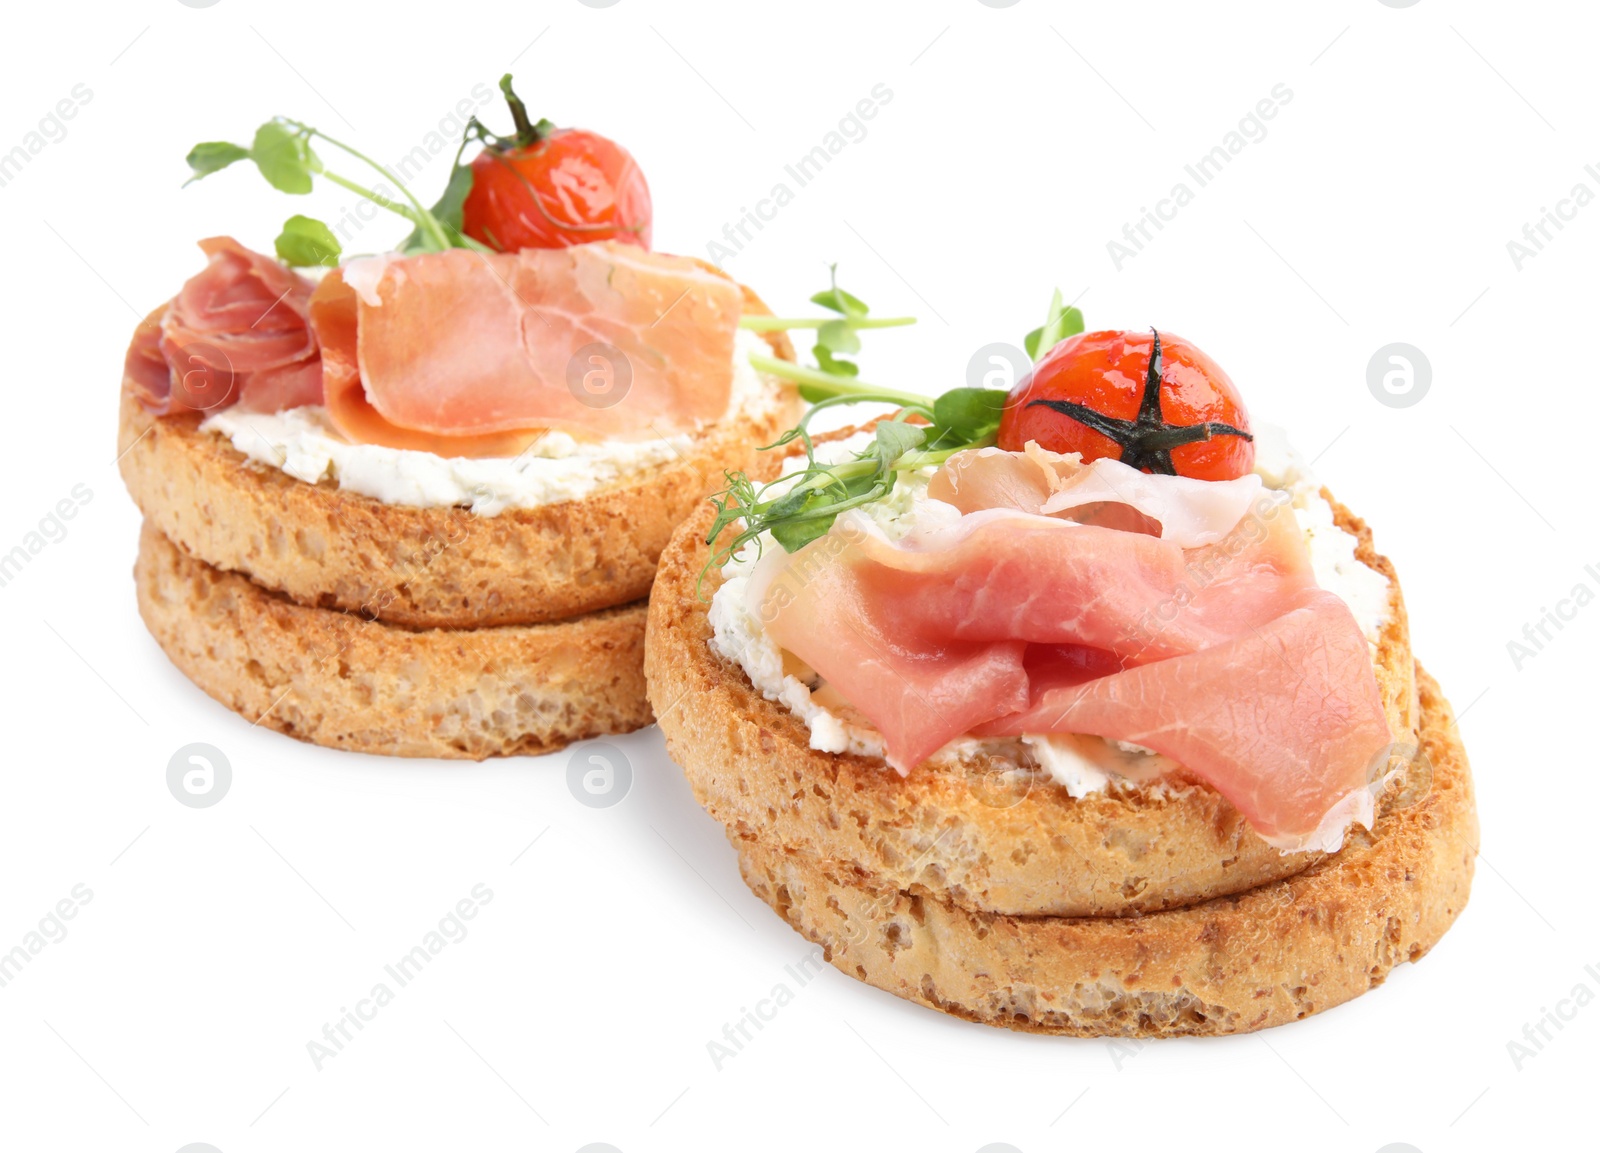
528 133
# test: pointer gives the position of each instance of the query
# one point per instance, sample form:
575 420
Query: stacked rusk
990 893
428 632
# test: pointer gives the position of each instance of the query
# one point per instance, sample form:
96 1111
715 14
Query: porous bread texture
986 834
335 679
1273 954
441 567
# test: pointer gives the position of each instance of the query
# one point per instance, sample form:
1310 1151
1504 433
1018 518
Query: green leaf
791 503
894 438
838 299
832 338
284 157
305 242
447 211
214 156
792 532
796 534
967 414
841 302
1063 321
832 365
837 336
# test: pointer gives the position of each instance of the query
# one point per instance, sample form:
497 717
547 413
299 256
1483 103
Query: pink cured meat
599 340
236 333
1226 657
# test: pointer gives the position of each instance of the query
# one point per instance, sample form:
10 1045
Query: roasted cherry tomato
549 187
1153 401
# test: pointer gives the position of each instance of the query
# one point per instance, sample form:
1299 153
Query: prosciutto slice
462 352
1224 656
1284 720
1181 509
335 315
457 353
236 333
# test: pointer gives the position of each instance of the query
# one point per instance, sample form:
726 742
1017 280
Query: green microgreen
802 505
1061 321
305 241
447 210
281 151
837 339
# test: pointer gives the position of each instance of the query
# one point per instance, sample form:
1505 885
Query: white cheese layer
1081 764
1333 551
304 443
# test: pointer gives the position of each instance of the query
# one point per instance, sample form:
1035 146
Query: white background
1018 142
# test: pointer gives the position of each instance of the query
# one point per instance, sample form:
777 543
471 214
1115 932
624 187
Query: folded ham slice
1181 509
457 353
467 353
1224 656
334 315
1284 720
236 333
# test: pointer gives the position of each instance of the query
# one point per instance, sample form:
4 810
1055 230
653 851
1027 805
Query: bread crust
442 567
1274 954
335 679
987 836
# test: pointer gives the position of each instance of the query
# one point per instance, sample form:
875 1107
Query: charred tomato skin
570 187
1106 371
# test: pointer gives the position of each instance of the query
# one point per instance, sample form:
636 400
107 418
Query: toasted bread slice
336 679
989 835
422 568
1276 953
